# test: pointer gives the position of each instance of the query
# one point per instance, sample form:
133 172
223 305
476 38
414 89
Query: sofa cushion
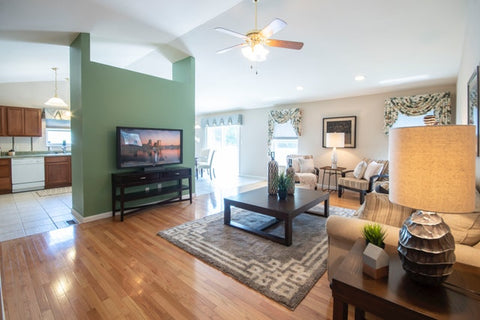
373 169
359 170
309 179
379 209
352 182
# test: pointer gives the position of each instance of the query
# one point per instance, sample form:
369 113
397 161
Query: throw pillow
378 208
306 165
359 170
296 164
373 169
465 228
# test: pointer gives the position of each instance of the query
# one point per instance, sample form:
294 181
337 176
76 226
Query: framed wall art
473 104
347 125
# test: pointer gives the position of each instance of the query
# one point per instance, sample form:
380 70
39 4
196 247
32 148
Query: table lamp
432 169
335 140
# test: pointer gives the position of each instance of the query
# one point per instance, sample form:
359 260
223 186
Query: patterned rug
53 191
283 274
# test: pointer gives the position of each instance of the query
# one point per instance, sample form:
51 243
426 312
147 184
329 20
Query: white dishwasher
28 174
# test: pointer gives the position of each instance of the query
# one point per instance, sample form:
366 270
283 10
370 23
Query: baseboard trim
82 219
253 177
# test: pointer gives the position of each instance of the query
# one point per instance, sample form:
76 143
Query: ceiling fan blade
284 44
274 26
232 33
232 47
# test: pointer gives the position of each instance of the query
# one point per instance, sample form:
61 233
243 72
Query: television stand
126 187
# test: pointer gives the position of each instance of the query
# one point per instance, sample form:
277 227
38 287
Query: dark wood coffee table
398 297
260 201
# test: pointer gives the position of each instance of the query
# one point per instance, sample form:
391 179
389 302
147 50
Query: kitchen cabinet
32 122
5 176
26 122
58 172
3 121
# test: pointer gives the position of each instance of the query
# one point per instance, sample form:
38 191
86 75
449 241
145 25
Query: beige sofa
343 232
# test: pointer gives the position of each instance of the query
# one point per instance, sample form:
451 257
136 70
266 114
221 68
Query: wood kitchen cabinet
26 122
32 122
58 172
5 176
3 121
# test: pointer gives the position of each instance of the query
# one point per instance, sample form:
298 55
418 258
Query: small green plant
374 234
283 181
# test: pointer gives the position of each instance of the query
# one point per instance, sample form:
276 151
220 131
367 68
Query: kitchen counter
5 155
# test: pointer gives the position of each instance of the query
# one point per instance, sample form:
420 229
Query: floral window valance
282 116
418 105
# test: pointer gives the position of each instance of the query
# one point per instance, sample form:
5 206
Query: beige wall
371 141
470 59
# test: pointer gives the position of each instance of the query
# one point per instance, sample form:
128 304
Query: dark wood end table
260 201
398 297
331 171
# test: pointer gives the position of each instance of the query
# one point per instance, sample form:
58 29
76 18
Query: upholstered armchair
362 179
305 171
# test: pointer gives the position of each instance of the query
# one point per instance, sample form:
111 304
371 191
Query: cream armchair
359 181
305 171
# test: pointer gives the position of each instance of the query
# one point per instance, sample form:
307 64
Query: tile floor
26 213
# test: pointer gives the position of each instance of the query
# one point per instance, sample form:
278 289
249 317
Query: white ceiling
394 44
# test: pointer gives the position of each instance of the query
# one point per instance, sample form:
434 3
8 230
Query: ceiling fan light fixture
55 101
255 53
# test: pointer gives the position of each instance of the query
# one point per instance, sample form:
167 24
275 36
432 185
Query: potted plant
374 234
375 259
283 181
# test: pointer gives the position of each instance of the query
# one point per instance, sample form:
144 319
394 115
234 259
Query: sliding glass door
225 140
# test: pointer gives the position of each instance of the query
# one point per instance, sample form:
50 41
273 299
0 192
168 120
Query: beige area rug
283 274
53 191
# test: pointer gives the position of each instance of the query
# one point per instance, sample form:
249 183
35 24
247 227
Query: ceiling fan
254 41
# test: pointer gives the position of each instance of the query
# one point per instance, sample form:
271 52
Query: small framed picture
473 104
347 125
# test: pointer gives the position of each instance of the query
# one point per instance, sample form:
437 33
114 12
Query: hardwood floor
109 269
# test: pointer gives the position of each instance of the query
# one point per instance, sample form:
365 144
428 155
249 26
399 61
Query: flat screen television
148 147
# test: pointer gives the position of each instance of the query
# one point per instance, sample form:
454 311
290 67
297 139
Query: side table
399 297
330 171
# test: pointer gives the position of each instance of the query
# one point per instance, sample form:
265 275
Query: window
410 121
55 137
284 142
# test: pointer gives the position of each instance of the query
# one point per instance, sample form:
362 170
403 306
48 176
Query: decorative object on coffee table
375 259
335 140
291 176
272 175
432 169
283 183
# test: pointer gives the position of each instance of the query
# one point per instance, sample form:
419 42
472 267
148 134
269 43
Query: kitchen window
56 137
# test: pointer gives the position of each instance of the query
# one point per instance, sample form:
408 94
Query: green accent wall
104 97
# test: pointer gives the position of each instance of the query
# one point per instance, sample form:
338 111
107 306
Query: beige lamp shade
335 139
432 168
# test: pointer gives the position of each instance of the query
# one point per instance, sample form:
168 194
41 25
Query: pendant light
55 101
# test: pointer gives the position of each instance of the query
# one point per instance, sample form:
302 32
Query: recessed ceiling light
359 77
299 88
